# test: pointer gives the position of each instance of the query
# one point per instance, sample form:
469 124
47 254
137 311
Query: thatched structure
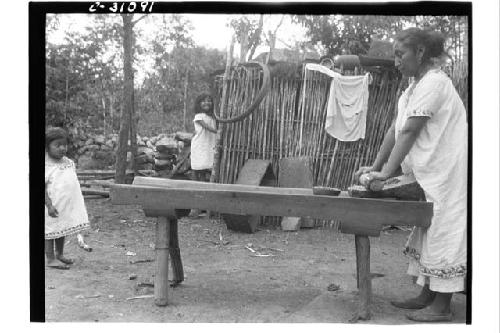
290 122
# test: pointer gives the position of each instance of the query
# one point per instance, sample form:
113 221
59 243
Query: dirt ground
224 281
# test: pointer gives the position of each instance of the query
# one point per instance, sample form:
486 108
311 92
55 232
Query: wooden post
162 253
214 177
128 99
175 253
184 116
363 275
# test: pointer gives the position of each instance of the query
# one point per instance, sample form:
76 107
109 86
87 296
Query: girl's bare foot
65 260
57 264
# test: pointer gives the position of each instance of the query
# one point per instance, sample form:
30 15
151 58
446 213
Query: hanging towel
347 104
347 107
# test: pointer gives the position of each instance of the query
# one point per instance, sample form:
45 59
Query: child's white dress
203 143
64 190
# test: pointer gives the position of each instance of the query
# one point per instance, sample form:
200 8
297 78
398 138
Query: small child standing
65 212
203 141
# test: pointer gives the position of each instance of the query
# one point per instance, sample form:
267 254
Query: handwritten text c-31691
121 7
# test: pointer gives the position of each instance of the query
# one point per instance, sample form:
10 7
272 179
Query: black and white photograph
243 162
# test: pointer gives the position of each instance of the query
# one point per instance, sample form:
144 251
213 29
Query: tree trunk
103 102
134 120
243 44
214 177
272 46
66 98
127 103
186 82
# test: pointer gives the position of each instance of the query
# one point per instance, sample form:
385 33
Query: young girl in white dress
203 141
65 212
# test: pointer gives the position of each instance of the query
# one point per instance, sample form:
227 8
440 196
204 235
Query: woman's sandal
427 316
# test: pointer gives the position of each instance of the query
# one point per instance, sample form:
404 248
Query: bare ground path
225 282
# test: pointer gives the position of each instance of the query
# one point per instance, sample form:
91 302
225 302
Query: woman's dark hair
54 133
197 104
433 42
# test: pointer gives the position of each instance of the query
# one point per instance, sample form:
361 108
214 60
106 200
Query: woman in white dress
428 139
65 212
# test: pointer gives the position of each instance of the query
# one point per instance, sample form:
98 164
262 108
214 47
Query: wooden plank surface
359 214
191 184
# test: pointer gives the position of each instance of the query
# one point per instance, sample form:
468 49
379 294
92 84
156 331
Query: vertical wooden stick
363 270
214 177
175 252
161 249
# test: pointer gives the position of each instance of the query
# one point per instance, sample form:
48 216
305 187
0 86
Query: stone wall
98 152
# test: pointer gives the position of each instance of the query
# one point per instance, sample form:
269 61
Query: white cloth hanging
347 104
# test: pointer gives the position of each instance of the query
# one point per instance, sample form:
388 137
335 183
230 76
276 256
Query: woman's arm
402 146
382 155
206 126
385 149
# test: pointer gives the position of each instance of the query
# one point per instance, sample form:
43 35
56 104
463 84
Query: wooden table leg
356 245
162 253
364 278
175 253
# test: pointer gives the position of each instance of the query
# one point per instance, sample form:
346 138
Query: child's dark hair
433 42
54 133
197 104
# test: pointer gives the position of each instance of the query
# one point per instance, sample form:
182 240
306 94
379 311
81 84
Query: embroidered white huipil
203 143
438 160
64 191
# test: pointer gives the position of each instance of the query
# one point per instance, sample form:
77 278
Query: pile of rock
159 153
95 152
165 159
145 158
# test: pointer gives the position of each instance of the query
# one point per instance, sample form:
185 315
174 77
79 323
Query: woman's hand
52 211
362 170
378 175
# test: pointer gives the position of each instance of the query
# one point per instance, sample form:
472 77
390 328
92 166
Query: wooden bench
169 199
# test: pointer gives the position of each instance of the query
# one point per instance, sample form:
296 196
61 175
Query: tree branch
279 24
140 18
254 42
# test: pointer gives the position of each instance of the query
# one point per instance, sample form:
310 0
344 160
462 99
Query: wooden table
169 199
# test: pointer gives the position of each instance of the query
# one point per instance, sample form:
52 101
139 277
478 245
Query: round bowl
323 190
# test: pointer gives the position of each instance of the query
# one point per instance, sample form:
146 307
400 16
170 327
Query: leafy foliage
84 78
352 34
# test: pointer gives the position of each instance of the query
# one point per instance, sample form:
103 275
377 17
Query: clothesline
331 73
